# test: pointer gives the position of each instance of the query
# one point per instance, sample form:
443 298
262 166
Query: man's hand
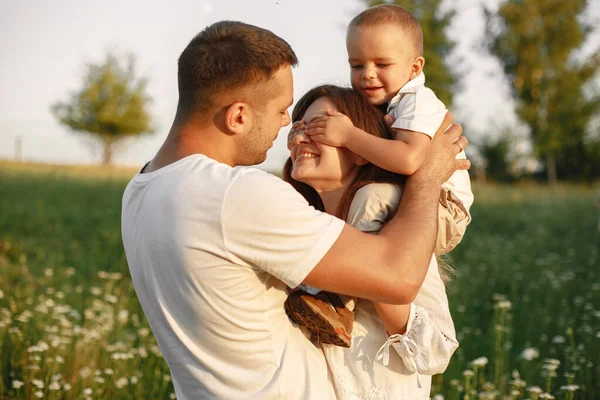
441 161
297 127
332 129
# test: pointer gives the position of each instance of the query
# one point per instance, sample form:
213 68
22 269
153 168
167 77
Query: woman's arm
394 317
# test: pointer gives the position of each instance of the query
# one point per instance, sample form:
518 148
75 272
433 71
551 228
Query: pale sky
44 46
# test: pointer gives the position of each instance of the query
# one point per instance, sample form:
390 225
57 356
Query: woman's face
318 165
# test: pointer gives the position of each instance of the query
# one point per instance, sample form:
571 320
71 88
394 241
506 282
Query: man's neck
186 140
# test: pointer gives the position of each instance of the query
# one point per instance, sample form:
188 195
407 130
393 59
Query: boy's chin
377 102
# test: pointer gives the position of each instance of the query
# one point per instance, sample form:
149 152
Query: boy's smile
373 91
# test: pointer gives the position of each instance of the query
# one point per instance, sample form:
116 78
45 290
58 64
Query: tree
111 105
436 44
536 42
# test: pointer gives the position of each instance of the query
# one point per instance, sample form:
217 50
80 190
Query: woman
422 334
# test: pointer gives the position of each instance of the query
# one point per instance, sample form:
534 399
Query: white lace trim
423 349
408 350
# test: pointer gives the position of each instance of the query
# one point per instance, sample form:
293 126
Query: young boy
385 52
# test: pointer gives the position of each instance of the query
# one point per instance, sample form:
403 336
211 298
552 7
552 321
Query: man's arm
391 266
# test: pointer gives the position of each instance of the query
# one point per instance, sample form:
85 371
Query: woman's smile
304 155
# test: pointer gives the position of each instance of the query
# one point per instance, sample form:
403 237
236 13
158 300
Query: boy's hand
297 127
332 129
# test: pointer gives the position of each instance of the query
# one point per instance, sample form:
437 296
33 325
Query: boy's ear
417 67
237 117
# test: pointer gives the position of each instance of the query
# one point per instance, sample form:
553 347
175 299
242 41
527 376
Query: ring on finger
459 146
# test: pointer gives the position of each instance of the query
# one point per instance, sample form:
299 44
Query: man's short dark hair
224 56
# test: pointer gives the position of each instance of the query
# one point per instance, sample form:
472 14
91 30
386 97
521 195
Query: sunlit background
526 301
44 47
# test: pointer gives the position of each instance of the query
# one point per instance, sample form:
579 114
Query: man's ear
417 67
237 117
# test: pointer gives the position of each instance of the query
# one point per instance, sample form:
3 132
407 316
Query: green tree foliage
495 152
536 42
111 104
436 45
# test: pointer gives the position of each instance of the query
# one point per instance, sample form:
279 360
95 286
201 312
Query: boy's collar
410 87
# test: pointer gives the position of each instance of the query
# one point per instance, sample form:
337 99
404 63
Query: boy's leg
323 314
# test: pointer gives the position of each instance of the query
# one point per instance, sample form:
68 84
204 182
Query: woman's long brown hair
364 116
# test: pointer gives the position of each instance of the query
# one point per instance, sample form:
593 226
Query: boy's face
380 60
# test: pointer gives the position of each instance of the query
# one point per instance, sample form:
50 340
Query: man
211 247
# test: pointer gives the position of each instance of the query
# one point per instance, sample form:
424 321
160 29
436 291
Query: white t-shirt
417 108
211 249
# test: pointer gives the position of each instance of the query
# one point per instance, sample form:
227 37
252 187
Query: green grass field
526 304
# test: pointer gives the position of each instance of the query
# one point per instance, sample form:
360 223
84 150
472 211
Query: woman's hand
332 129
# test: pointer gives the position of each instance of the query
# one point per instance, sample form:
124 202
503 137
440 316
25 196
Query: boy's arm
403 156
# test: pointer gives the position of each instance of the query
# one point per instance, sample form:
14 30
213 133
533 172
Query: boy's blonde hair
391 14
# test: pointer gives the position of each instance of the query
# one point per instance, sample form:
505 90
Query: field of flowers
526 303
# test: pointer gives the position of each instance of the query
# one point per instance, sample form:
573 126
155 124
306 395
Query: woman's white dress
377 366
